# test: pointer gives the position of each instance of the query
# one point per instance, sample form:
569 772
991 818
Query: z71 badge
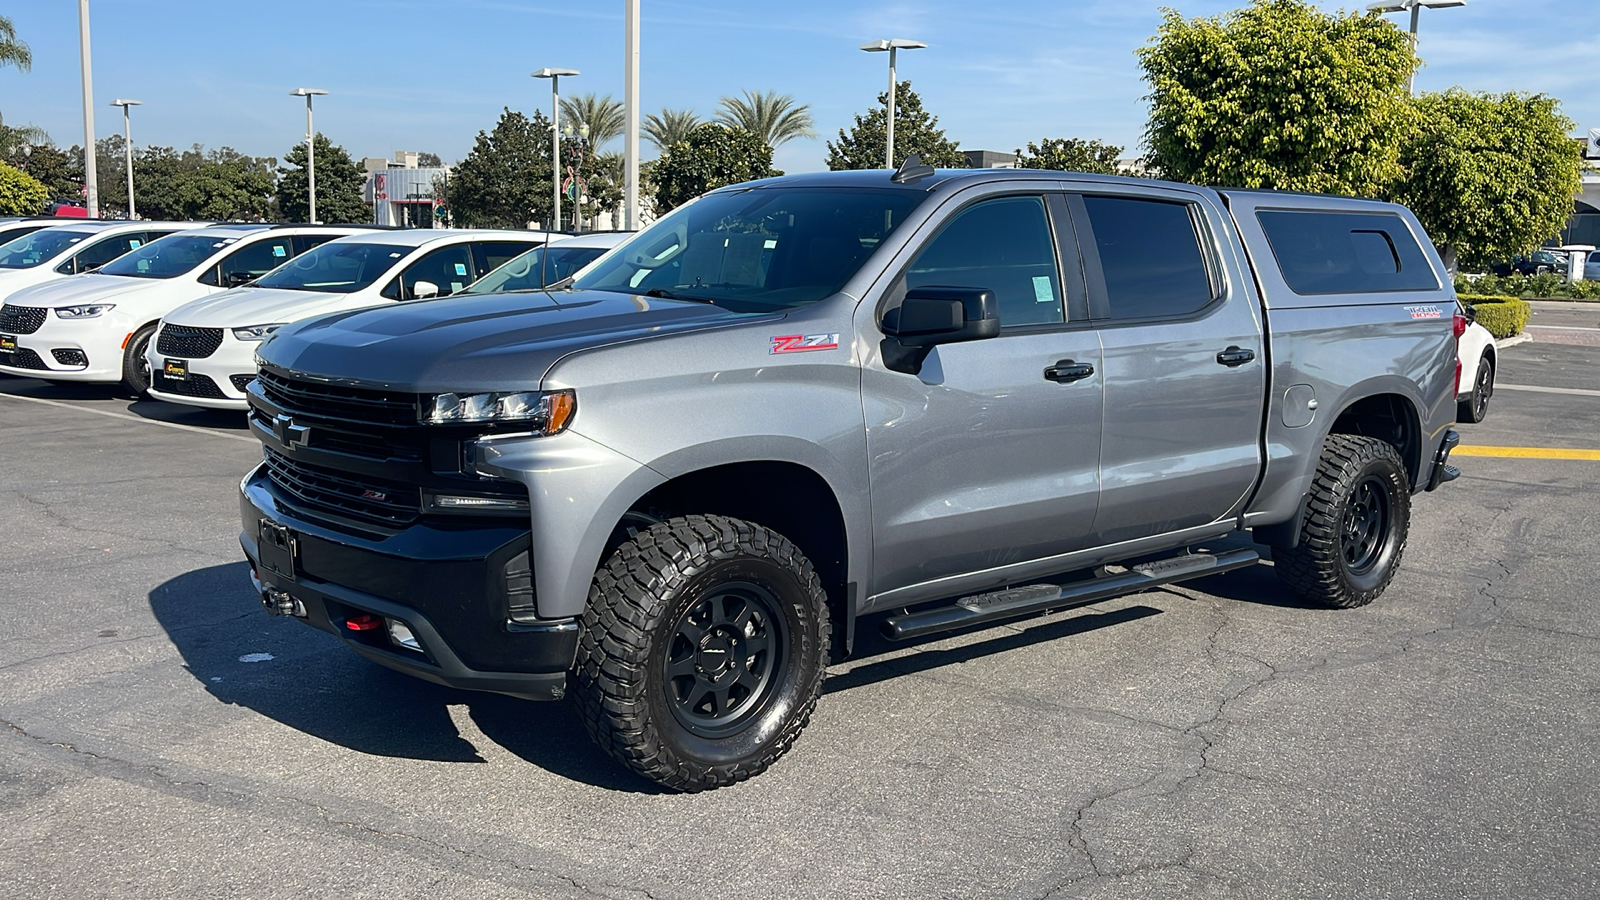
801 343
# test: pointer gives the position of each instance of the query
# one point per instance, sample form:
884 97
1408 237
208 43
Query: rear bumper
443 583
1442 471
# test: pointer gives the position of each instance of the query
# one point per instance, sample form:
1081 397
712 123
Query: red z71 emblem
800 343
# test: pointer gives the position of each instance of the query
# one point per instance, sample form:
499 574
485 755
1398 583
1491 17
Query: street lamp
1415 8
91 182
630 93
578 152
127 148
311 152
892 45
555 135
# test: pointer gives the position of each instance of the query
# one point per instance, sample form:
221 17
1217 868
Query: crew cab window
101 252
1004 245
249 262
448 268
1346 252
1150 255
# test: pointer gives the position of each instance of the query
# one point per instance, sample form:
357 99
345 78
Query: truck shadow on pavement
120 398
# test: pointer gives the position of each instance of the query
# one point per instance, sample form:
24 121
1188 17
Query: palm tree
12 51
669 127
772 117
603 115
15 141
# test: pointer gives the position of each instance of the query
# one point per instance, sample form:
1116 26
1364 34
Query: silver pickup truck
944 399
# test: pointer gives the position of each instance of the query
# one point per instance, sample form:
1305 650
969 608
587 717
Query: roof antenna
911 170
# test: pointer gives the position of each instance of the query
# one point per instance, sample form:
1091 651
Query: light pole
91 184
892 45
630 93
555 136
311 152
1415 8
127 148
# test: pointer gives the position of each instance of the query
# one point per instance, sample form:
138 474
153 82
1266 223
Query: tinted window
12 232
491 255
249 262
1346 253
337 267
1004 245
448 269
167 258
1150 255
537 268
101 252
39 247
304 242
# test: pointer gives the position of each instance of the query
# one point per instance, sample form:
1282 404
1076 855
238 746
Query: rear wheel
135 368
1476 406
702 651
1355 526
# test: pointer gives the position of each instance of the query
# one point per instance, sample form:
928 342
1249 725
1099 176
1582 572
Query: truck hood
480 343
70 290
245 306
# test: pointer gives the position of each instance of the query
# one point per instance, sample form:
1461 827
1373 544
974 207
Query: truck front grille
345 493
23 358
300 397
21 319
188 343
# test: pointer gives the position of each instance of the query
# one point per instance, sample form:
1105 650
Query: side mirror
422 290
930 316
236 279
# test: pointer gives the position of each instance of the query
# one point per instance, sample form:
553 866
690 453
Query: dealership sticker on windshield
1424 312
801 343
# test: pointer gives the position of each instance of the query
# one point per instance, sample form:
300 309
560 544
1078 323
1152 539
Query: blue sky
414 75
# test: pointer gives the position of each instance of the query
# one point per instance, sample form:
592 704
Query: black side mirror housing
237 278
930 316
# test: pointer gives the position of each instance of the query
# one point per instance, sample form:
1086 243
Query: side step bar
1036 598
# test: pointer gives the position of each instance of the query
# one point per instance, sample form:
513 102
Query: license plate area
176 369
8 343
279 548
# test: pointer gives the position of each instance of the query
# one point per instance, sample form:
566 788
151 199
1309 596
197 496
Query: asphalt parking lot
163 737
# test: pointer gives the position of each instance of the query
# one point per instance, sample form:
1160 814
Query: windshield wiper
668 295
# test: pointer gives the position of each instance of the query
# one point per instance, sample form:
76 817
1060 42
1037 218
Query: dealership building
402 192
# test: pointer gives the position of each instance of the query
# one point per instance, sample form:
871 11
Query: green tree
20 193
12 51
773 117
428 159
603 115
1279 95
712 156
219 184
15 141
915 131
1490 175
1070 155
60 171
669 127
339 185
505 181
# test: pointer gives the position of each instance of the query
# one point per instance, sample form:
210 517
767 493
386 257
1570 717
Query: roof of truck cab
880 178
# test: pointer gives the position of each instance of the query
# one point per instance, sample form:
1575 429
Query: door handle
1234 356
1066 371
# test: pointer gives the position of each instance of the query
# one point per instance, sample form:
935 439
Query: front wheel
702 651
1476 406
135 368
1355 525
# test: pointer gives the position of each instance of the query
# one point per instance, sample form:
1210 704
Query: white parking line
132 418
1581 392
1563 327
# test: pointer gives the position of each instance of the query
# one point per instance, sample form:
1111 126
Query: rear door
1184 363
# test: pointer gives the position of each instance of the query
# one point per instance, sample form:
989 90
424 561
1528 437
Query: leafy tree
60 172
12 51
339 185
505 181
669 127
712 156
1279 95
772 117
1071 155
1490 175
20 193
219 184
429 160
16 140
915 131
603 115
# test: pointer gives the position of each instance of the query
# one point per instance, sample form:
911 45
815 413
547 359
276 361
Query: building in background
989 159
403 193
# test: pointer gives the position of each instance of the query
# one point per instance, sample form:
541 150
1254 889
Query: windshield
537 268
167 258
756 250
38 248
336 267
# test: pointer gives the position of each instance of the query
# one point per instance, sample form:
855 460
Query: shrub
1537 287
21 194
1503 316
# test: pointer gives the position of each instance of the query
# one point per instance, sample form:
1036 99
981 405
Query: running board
981 609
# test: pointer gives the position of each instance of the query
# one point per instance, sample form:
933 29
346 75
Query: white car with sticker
45 254
204 354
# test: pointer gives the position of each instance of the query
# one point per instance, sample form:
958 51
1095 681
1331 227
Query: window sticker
461 269
1042 291
394 256
135 244
456 286
277 250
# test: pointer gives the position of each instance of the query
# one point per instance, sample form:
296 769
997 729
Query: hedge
20 193
1535 287
1503 316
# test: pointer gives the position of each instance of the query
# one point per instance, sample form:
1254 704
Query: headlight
87 311
544 413
256 332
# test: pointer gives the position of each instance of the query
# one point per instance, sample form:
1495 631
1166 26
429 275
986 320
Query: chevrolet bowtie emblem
289 433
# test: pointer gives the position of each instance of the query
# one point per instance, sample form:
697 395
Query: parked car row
174 310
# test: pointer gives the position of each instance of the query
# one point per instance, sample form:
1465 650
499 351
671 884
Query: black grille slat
188 342
337 402
240 382
23 358
198 386
21 319
345 493
70 357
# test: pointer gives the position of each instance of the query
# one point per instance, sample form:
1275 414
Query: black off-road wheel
702 651
1476 406
135 368
1355 525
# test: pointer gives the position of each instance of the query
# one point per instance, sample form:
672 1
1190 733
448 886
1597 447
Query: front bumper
214 382
70 350
442 581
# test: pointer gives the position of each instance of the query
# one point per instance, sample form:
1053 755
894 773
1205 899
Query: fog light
401 634
480 504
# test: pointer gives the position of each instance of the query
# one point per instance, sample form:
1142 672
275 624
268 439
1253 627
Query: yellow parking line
1527 452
